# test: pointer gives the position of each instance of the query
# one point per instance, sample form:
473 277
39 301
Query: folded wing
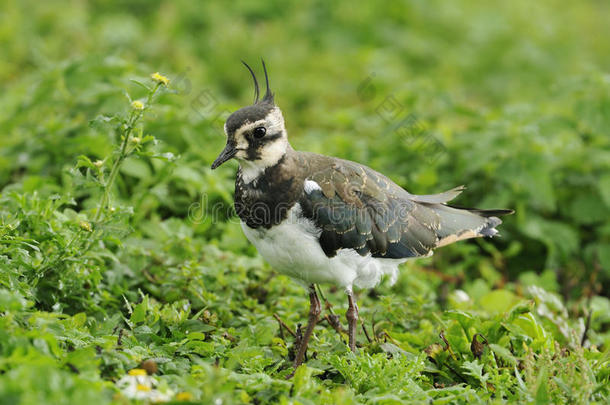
358 208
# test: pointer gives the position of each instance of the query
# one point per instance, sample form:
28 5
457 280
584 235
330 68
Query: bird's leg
314 312
352 320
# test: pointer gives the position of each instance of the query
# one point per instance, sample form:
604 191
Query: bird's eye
259 132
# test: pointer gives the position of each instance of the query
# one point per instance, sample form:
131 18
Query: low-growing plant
123 276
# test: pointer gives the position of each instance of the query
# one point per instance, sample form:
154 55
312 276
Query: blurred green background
511 99
517 95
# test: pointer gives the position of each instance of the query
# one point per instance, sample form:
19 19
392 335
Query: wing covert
364 211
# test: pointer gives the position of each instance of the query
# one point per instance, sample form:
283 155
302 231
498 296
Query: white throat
249 171
272 154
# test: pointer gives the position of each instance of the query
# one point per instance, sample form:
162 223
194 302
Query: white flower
461 296
137 384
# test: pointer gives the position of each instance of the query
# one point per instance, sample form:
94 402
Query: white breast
292 248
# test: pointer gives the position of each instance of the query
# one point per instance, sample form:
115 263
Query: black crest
258 110
268 98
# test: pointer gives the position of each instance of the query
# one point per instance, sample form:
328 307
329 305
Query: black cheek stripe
255 145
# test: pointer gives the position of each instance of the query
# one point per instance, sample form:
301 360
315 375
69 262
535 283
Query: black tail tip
493 213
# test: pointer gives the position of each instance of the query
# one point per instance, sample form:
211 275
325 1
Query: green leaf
604 188
11 301
193 325
542 396
503 353
136 168
561 239
498 300
143 85
475 369
79 319
588 209
139 312
84 161
196 336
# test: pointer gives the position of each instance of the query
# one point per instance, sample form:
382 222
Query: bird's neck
252 170
265 200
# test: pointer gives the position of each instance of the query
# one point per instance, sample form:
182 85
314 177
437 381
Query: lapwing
321 219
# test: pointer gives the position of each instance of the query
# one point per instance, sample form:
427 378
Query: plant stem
327 303
131 122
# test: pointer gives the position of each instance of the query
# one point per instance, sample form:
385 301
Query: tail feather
489 229
463 223
485 213
438 198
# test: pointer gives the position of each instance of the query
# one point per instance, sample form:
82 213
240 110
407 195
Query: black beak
228 152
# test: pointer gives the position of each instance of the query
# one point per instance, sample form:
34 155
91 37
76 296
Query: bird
326 220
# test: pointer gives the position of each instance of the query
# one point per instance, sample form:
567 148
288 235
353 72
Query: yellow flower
184 396
159 78
137 105
86 226
137 371
98 163
136 140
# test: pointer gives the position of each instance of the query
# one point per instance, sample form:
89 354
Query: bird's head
256 135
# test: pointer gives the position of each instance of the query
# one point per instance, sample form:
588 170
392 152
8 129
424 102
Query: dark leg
314 312
352 321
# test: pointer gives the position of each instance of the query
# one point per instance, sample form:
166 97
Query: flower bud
159 78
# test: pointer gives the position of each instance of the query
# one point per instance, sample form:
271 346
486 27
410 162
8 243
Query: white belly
292 248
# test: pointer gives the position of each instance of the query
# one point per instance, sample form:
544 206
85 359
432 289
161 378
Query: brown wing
358 208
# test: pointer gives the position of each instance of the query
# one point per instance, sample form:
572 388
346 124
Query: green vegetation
118 249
